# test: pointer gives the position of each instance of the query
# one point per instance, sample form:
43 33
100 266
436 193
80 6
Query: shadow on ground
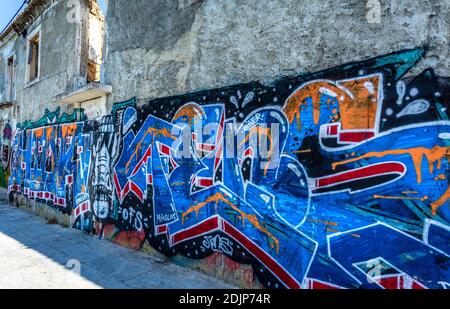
102 262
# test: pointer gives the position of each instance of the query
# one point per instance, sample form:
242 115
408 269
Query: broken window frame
33 57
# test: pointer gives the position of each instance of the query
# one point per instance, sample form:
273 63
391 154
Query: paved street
34 254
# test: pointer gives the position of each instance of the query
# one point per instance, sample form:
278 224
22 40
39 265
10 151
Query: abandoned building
50 58
91 103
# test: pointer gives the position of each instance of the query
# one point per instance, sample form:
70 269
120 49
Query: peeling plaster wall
162 48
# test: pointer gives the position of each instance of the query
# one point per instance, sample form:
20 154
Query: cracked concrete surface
34 254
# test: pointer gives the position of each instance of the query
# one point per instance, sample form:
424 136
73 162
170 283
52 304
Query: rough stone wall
157 49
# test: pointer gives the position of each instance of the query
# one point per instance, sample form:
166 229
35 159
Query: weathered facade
338 178
47 52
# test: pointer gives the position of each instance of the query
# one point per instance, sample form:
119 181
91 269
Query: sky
9 7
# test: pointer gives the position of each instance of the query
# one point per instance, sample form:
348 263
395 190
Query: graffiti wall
336 179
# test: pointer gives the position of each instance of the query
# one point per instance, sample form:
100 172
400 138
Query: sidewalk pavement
34 254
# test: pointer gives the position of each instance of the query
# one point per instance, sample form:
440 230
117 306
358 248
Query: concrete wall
161 48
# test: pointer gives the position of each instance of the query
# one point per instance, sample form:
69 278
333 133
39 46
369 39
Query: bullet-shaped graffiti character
105 150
